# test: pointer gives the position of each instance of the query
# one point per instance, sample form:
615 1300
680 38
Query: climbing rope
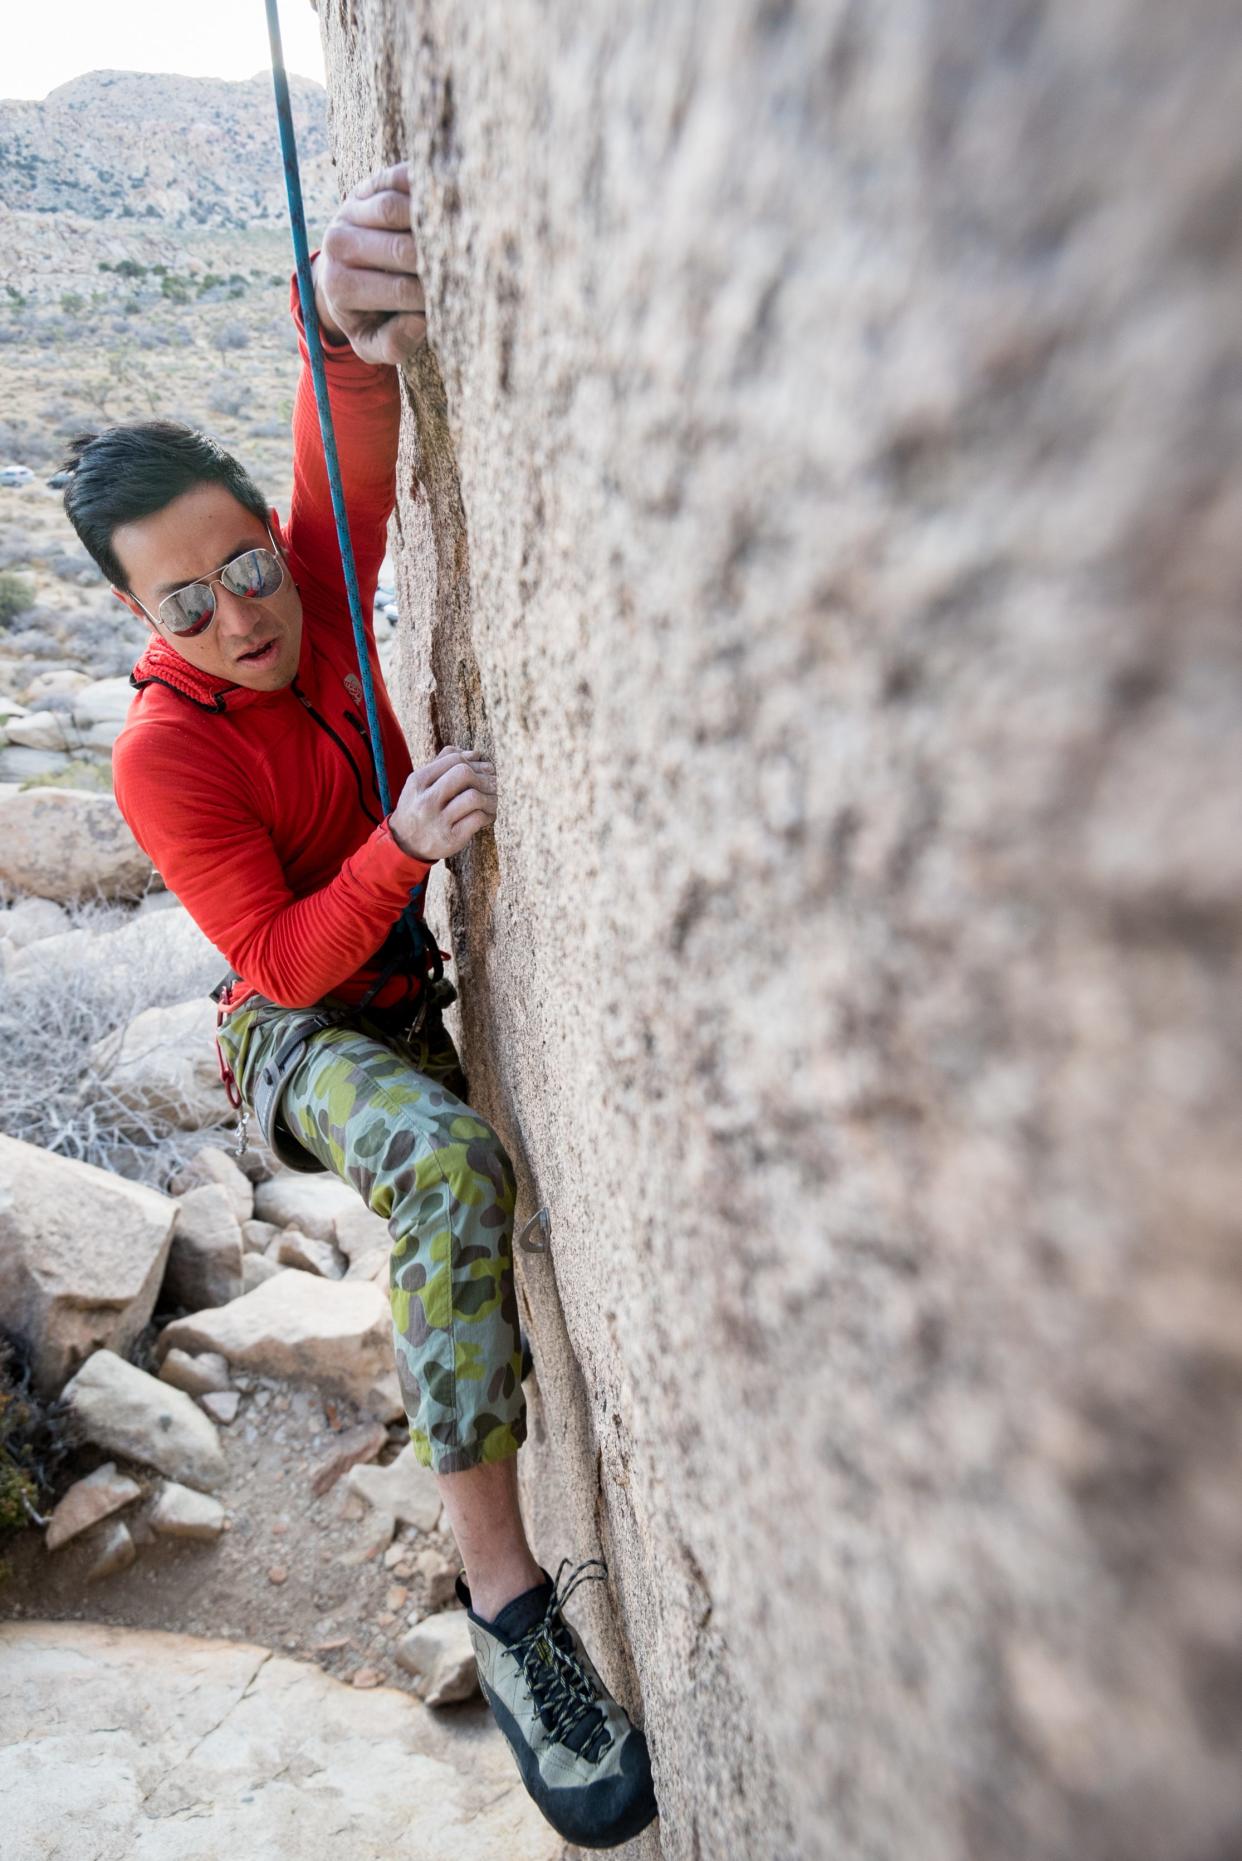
310 321
424 945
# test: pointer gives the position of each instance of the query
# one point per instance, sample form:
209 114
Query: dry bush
52 1092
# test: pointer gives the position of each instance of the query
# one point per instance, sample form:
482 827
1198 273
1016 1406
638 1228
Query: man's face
248 642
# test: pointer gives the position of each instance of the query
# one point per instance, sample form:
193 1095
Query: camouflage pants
385 1115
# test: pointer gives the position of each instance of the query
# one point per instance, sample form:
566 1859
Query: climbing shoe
581 1759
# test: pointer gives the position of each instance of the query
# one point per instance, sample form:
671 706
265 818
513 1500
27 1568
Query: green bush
16 595
71 303
36 1437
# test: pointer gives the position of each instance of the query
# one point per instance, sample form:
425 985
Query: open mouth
261 655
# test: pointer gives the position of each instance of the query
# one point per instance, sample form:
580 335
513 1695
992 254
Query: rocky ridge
120 164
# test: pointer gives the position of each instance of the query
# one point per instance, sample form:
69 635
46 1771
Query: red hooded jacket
260 810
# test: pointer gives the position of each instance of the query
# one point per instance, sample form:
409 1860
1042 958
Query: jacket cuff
333 346
385 868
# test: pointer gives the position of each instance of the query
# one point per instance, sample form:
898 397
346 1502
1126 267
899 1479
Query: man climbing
244 770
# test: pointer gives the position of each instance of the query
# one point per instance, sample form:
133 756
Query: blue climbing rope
424 945
310 321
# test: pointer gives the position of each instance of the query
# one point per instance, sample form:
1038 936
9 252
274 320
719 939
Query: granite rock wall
820 494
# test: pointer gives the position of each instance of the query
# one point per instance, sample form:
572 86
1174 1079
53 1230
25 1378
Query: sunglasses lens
253 575
189 610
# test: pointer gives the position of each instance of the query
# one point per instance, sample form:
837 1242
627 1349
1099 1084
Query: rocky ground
297 1563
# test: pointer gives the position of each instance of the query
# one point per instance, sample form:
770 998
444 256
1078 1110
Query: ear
127 600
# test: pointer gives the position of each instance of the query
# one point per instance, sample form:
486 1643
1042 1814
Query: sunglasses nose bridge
211 582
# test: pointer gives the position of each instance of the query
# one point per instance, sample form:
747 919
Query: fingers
470 801
347 244
349 289
391 211
439 763
459 778
396 339
466 829
383 181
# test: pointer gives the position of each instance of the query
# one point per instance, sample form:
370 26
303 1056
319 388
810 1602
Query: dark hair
129 472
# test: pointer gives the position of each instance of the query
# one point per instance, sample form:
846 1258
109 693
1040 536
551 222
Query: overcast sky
61 39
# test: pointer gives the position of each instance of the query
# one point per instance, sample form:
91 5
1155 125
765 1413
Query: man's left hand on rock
367 286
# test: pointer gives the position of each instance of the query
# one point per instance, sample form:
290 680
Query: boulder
145 1743
18 765
359 1232
88 1500
198 1376
184 959
334 1333
114 1551
129 1412
211 1165
67 843
32 919
440 1656
41 730
180 1512
205 1259
346 1450
310 1203
257 1236
256 1268
163 1067
99 711
82 1256
63 679
436 1573
373 1265
292 1249
404 1487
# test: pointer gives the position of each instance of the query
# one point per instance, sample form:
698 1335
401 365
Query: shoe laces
562 1690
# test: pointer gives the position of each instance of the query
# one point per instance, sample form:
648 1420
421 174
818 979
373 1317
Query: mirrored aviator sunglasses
253 575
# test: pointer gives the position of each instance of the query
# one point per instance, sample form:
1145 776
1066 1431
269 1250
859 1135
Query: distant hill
130 164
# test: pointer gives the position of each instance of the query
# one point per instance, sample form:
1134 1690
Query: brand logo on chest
353 685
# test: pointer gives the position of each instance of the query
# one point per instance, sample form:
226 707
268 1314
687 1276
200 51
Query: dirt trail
290 1571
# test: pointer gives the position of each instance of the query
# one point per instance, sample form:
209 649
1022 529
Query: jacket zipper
351 717
341 745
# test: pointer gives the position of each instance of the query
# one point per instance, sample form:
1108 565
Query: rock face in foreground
817 497
133 1732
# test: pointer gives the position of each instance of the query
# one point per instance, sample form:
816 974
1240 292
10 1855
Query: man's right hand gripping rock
444 804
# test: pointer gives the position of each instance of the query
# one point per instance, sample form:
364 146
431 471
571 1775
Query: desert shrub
52 1091
227 398
71 303
231 336
16 596
36 1438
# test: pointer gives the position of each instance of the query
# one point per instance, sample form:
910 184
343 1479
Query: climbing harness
410 944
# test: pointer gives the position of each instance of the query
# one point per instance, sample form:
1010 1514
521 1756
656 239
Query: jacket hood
161 664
